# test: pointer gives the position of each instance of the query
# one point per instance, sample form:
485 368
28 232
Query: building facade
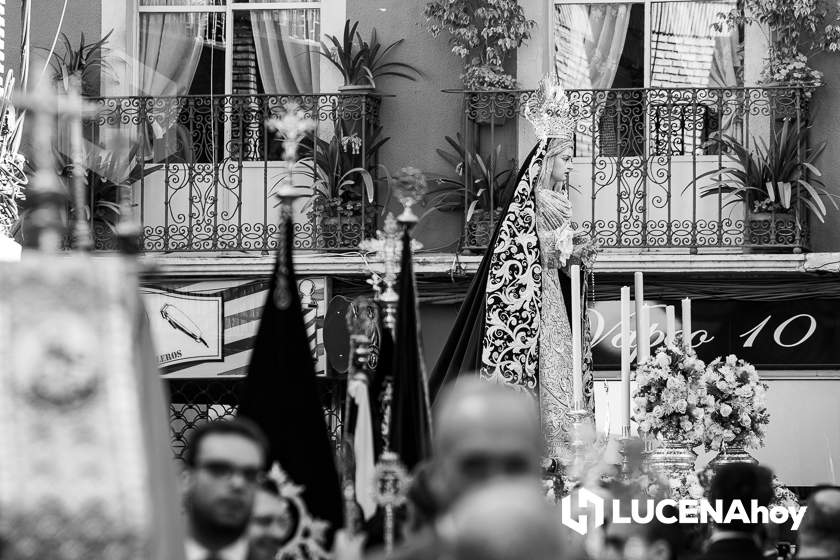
190 84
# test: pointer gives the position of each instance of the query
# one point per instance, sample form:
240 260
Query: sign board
235 306
185 327
793 334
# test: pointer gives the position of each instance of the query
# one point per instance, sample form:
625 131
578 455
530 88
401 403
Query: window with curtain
211 48
632 45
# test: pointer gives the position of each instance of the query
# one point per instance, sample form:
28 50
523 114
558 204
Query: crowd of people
480 497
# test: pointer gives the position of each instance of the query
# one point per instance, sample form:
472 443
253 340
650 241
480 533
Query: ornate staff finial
291 127
410 185
73 108
392 480
46 193
387 250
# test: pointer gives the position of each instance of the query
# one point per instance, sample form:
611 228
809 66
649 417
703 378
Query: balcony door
654 80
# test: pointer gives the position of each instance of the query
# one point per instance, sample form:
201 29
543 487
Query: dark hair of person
229 426
744 483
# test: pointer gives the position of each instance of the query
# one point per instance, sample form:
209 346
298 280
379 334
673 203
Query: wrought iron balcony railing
202 170
644 165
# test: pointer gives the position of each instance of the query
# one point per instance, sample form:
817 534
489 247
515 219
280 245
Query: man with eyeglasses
225 463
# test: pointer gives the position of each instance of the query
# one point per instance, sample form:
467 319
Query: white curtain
588 42
287 49
170 48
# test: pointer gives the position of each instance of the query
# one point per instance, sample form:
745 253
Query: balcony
642 167
203 171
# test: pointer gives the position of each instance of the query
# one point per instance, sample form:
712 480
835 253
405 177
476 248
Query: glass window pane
596 45
278 51
686 51
601 47
181 55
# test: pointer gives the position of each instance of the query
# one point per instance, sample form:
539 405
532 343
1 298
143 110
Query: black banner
795 334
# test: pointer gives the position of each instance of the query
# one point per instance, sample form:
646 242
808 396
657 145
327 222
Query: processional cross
47 107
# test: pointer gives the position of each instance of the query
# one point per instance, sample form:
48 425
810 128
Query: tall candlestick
643 336
625 360
670 323
686 323
577 345
639 294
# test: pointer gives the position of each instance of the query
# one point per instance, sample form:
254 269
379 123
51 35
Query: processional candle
577 345
639 294
625 360
643 336
670 323
686 323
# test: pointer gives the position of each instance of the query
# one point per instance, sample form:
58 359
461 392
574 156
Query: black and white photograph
419 279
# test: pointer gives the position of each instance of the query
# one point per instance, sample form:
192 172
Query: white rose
681 406
731 360
725 410
695 491
663 361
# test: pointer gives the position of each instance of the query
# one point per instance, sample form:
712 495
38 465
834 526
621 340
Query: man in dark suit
738 540
225 463
819 533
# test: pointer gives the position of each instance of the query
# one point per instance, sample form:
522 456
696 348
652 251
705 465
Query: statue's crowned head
551 113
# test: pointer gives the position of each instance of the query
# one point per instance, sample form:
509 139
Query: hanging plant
483 33
799 30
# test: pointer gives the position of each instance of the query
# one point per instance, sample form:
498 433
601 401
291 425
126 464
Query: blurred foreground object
505 520
87 470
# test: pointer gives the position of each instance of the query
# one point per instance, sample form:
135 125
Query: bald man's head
483 431
819 534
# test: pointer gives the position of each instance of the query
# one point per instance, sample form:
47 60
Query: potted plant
481 182
361 62
81 67
342 210
484 33
109 177
773 182
796 31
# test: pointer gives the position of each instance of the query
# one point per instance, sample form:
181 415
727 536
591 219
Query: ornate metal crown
550 111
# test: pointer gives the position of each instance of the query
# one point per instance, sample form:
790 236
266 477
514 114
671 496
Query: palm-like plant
488 174
338 166
110 173
83 63
361 62
774 177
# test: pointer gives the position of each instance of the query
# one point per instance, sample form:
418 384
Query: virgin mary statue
514 325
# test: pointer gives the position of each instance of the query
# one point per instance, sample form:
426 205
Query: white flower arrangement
784 496
669 400
736 405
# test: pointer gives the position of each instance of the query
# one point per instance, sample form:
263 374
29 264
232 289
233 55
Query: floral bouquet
736 405
670 397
